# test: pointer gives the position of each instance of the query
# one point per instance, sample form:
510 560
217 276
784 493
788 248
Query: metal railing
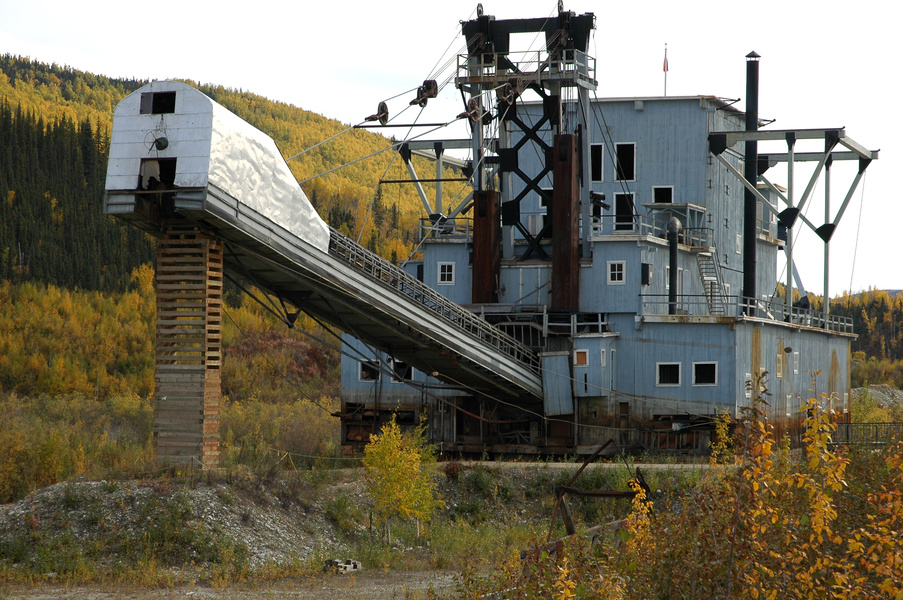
736 306
379 269
691 305
445 228
778 311
767 228
699 237
874 434
533 66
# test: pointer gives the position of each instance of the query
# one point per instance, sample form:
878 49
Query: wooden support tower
189 348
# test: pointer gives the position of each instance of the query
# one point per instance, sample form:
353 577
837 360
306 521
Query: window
369 371
581 358
779 365
535 223
739 245
158 103
157 173
705 373
667 373
646 271
446 273
625 169
796 363
602 362
617 272
663 195
595 154
624 212
400 370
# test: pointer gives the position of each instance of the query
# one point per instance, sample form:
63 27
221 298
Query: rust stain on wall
755 352
834 375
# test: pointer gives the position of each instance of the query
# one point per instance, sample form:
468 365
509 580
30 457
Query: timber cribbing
189 347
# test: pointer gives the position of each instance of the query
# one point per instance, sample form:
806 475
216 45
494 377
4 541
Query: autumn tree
400 469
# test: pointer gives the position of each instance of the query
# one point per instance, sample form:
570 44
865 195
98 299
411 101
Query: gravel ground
279 523
364 585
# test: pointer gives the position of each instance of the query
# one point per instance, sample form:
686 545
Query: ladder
711 283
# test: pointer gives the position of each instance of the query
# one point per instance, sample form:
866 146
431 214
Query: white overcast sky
824 64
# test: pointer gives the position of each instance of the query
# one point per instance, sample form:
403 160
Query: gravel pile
274 525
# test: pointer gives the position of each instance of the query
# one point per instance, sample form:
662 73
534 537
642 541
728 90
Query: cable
321 143
393 145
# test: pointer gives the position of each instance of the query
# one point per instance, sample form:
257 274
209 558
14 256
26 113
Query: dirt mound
176 522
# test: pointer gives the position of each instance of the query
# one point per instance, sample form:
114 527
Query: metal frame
721 141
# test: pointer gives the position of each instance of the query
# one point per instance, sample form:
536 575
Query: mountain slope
54 138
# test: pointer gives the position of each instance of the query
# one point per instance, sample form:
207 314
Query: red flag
665 66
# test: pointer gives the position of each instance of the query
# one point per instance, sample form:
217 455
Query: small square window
157 103
369 371
401 370
705 373
581 358
667 374
617 272
663 195
446 273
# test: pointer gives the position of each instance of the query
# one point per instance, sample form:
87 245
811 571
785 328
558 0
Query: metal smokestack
673 237
750 172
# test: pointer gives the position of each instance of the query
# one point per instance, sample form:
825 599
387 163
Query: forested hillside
54 136
878 320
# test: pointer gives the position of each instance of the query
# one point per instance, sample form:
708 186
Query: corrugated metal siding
639 351
596 294
526 284
593 379
810 351
386 390
457 253
558 398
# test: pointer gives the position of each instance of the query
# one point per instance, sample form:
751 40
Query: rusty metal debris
568 489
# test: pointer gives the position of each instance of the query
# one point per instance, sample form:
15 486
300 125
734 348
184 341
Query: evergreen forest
54 137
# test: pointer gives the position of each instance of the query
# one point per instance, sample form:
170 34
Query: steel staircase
712 284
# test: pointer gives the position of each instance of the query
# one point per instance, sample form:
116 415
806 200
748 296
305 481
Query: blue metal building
643 337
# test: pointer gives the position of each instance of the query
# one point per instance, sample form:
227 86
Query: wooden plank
168 287
175 331
180 402
172 267
185 312
189 325
186 379
162 348
178 367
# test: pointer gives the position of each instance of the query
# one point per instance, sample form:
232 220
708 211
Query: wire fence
867 434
